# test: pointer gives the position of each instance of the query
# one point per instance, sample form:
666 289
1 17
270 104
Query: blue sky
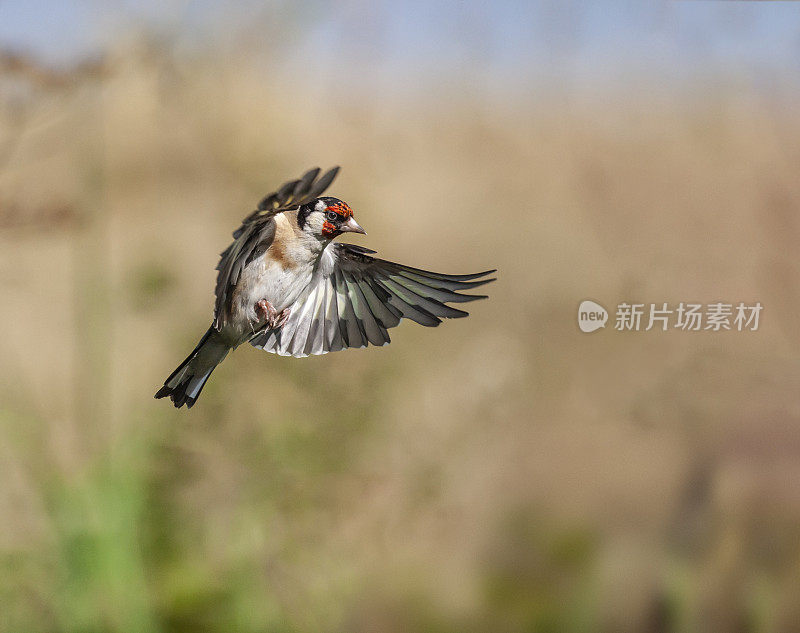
515 40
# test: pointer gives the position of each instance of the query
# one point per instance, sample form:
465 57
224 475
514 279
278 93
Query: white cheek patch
314 222
317 222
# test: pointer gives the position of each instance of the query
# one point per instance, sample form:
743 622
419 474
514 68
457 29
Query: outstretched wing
355 298
255 235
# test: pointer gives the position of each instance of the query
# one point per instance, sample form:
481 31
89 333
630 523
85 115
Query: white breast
280 276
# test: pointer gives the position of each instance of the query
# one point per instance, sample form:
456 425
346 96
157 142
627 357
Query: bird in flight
284 286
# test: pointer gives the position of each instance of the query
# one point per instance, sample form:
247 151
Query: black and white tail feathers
185 383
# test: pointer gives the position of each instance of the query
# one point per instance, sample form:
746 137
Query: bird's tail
185 383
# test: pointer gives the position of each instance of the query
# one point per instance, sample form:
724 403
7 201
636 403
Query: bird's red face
337 217
337 213
327 217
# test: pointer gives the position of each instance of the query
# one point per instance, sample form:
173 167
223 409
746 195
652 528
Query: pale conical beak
351 226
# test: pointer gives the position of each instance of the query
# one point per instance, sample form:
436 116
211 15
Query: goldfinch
284 286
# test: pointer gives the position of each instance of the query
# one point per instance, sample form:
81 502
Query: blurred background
502 473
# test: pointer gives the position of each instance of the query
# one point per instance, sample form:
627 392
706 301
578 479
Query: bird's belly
268 280
279 286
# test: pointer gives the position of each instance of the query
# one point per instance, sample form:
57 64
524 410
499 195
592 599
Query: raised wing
257 231
355 298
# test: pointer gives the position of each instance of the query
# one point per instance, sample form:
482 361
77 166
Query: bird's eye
331 215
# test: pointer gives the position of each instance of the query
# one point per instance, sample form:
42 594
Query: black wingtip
466 285
330 175
470 276
324 182
446 277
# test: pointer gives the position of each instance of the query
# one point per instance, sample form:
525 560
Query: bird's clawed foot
273 318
